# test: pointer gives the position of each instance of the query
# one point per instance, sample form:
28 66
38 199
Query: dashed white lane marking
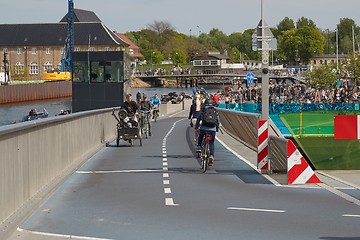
351 215
169 201
256 210
59 235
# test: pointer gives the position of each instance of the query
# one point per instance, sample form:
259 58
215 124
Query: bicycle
155 113
205 151
145 123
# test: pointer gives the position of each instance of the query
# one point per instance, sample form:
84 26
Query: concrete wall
35 155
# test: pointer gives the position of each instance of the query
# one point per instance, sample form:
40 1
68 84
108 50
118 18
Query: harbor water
13 113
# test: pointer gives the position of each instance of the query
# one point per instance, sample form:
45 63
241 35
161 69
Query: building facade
36 48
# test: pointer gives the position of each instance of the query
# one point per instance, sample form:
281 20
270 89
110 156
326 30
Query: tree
352 69
345 34
284 25
311 42
324 77
305 22
163 32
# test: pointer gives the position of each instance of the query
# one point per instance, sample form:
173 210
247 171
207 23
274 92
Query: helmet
208 102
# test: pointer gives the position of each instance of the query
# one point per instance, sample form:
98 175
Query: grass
317 122
317 140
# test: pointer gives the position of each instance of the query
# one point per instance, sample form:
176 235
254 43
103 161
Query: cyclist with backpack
210 122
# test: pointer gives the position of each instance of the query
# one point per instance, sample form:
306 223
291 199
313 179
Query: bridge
65 178
224 78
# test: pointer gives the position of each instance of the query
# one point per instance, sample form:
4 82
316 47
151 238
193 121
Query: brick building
35 48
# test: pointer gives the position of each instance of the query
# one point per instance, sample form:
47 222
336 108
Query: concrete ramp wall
36 155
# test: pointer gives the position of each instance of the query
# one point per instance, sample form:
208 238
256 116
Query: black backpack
209 117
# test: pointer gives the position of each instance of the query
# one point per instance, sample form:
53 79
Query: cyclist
129 105
195 109
155 102
210 122
145 106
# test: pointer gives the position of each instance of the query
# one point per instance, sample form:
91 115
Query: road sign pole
265 70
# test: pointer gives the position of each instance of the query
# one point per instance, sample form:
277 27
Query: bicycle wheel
156 116
205 156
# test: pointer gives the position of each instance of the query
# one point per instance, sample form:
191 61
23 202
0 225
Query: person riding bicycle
145 106
210 123
155 102
130 106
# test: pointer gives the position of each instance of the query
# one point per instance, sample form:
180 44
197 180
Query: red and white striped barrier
263 148
299 171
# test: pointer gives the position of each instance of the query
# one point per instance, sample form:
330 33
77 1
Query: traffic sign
250 77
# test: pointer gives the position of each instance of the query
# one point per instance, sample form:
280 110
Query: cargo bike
128 129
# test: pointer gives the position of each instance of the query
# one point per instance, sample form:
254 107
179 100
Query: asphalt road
158 191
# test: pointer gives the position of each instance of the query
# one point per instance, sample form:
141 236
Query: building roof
52 34
211 56
80 15
131 44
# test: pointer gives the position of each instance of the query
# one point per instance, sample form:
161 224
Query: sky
186 16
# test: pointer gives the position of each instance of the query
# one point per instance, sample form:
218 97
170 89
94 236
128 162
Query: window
92 49
34 69
314 62
107 49
77 49
213 62
47 51
5 50
48 67
18 51
321 61
19 68
33 51
131 51
206 63
325 62
197 63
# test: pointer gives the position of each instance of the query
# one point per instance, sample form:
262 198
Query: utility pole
265 69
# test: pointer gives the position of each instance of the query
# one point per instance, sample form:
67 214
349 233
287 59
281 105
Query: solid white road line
256 210
118 171
60 235
351 215
248 163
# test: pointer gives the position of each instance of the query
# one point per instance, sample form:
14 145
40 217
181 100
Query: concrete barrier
243 127
36 155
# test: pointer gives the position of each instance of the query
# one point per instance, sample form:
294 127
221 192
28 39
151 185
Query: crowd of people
292 93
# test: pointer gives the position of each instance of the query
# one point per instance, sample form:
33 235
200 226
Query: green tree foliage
305 22
297 42
352 69
345 34
284 25
323 77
